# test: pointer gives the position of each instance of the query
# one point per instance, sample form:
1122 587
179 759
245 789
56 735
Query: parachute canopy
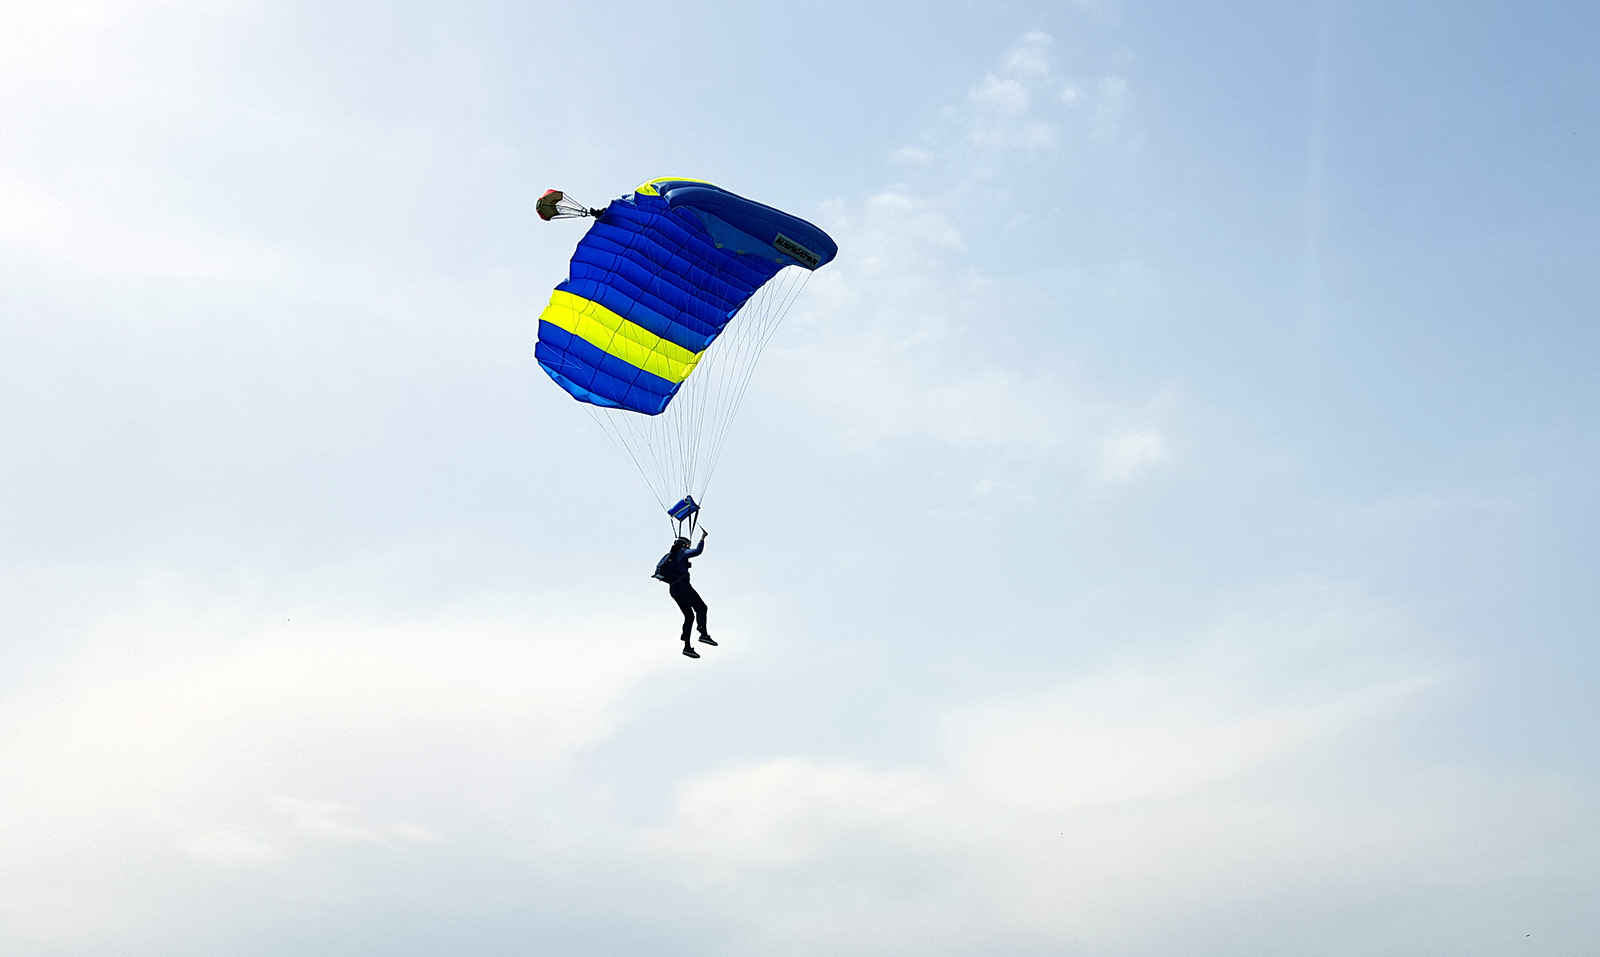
671 296
655 281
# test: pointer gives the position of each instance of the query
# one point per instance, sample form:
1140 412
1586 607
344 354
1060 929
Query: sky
1167 528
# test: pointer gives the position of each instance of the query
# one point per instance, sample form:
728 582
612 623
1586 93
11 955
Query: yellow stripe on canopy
648 187
616 336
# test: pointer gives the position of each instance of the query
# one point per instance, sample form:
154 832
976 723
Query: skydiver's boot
705 639
688 649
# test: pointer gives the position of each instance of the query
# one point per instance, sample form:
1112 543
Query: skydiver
674 570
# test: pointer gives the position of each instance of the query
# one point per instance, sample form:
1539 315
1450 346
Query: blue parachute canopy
655 281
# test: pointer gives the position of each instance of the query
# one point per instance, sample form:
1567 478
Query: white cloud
1144 733
900 300
1126 457
1113 97
1128 807
911 156
228 849
1030 58
138 150
184 744
1007 97
1119 812
94 243
1019 108
786 812
1001 119
94 67
915 311
320 820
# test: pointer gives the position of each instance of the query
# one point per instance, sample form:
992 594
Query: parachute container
684 516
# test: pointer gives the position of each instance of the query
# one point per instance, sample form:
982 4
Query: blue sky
1166 528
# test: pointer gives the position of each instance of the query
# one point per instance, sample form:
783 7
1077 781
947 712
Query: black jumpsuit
675 570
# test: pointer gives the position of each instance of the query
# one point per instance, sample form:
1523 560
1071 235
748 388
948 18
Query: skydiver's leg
700 611
688 620
699 605
685 596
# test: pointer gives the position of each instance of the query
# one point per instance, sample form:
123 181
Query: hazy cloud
912 303
1102 813
188 749
1003 117
228 849
1076 731
1112 100
92 245
1128 456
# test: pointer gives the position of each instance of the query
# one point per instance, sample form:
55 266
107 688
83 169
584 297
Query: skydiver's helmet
680 542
